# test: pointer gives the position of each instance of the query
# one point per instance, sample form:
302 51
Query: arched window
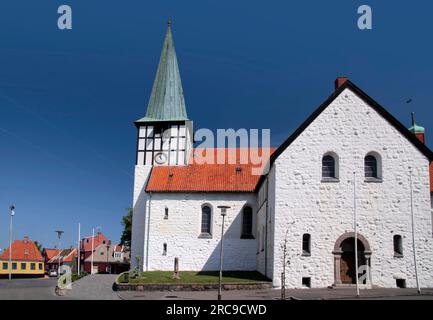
206 220
370 165
398 245
306 244
329 170
247 223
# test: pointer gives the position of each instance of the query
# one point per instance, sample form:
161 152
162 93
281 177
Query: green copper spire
166 101
416 128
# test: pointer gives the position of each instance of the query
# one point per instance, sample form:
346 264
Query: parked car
52 273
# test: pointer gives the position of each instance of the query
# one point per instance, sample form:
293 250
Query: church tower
165 133
164 138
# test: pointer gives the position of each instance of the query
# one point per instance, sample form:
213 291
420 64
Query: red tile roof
86 243
66 255
50 253
23 250
431 177
198 177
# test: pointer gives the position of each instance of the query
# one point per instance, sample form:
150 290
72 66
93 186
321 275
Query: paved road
28 289
93 287
99 287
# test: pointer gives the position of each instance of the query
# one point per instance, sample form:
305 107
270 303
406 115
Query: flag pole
356 234
78 250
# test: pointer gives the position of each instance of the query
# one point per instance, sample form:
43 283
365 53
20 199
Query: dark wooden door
347 268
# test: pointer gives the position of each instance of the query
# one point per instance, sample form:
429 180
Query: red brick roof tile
23 250
197 177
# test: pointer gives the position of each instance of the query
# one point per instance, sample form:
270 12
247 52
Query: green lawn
200 277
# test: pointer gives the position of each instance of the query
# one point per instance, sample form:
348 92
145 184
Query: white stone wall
140 201
304 204
182 229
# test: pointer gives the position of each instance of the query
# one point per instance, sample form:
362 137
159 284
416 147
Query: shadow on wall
239 254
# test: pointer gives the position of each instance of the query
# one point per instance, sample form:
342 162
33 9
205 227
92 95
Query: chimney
417 130
340 81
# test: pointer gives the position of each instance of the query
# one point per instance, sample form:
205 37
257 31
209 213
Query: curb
190 286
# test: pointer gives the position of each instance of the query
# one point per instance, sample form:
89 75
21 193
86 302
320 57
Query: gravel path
93 287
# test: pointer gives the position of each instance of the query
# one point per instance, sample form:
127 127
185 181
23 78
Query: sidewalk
93 287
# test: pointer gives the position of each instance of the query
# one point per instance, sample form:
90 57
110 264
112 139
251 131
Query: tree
125 239
39 246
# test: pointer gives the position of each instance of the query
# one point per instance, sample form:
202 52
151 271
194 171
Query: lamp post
355 225
223 214
12 213
59 235
413 231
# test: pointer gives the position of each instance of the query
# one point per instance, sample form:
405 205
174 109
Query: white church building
349 156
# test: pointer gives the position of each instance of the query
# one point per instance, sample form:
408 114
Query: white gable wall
304 204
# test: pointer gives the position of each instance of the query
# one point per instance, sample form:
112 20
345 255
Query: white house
349 151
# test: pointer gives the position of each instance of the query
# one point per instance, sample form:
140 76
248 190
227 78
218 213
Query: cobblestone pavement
28 289
99 287
308 294
93 287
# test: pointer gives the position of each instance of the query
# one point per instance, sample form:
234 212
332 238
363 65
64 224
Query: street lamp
12 213
59 235
223 214
413 231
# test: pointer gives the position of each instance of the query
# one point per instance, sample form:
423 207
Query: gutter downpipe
148 232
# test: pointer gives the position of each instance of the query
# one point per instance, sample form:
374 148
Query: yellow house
27 261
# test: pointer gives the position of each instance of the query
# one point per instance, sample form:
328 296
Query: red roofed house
66 257
349 156
86 246
108 258
26 260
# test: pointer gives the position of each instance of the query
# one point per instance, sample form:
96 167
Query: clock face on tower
160 158
163 144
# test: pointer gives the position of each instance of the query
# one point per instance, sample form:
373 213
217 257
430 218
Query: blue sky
68 99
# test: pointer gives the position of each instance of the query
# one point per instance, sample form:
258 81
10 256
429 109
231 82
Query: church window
166 213
398 246
164 249
370 167
306 244
329 167
247 223
206 220
373 167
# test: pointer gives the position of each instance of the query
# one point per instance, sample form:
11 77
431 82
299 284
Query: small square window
23 266
401 283
40 266
306 282
33 266
14 265
5 265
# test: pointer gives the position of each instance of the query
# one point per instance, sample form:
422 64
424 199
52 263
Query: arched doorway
344 258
